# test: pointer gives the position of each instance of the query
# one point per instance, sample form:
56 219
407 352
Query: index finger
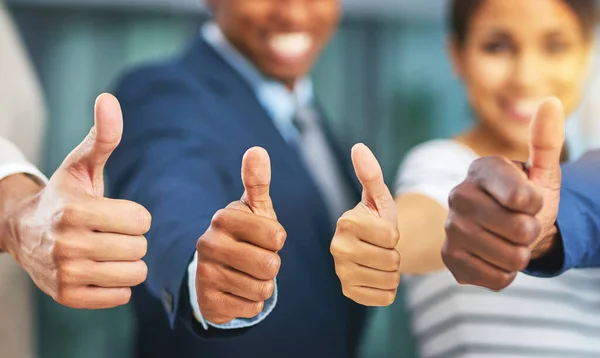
109 216
370 229
507 184
248 227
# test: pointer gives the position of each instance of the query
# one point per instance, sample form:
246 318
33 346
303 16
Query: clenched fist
82 249
237 255
364 246
503 214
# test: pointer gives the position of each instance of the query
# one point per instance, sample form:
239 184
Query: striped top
534 317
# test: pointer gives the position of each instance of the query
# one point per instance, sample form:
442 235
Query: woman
509 54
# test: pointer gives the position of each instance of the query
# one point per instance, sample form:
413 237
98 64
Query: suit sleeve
578 220
170 167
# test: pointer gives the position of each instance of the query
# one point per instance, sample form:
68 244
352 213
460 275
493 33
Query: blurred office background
384 80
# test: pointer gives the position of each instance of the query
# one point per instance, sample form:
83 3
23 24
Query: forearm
14 190
421 223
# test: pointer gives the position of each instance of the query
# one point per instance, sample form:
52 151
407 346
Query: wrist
15 191
547 245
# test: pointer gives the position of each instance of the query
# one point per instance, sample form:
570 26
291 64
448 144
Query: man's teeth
291 45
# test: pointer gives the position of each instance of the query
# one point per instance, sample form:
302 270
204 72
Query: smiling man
240 258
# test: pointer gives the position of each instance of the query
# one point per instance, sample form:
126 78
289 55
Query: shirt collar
274 96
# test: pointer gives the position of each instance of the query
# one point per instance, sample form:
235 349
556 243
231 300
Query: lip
276 47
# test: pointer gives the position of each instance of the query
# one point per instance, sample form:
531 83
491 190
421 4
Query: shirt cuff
22 168
552 264
236 323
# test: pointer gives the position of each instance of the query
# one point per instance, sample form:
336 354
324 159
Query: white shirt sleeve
236 323
12 161
433 169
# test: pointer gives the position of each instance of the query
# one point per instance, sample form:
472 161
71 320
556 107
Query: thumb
376 194
546 142
256 176
92 154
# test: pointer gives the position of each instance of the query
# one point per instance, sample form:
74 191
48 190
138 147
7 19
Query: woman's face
515 54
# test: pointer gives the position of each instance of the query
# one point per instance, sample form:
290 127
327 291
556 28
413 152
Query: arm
421 223
577 242
425 179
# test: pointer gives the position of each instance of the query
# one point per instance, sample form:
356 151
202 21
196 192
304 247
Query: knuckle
521 197
344 274
393 235
346 224
142 273
143 217
266 290
520 259
501 281
456 195
125 297
463 199
63 296
387 298
450 224
255 308
457 228
456 261
65 249
347 292
66 274
220 219
207 300
392 260
69 215
140 248
270 265
526 229
208 245
204 273
338 248
279 236
485 165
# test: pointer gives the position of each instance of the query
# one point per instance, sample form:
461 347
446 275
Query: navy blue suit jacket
187 124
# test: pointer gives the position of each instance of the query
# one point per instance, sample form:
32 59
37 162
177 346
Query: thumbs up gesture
237 255
504 214
80 248
364 246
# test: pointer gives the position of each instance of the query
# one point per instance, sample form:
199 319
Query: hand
237 255
364 245
80 248
499 217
